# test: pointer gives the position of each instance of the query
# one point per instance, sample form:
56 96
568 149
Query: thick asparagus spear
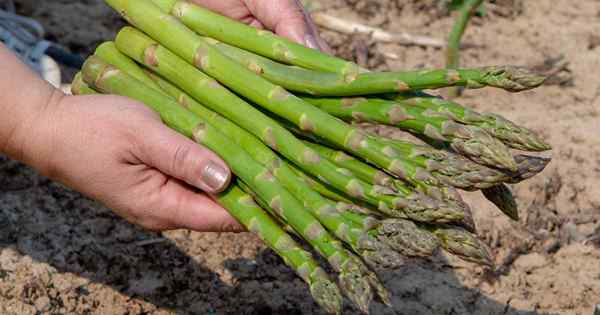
468 140
514 136
355 279
346 80
260 41
242 207
209 92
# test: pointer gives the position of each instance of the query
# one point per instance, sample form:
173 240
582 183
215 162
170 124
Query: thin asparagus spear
355 280
242 207
260 41
467 10
204 89
511 134
502 197
471 141
331 84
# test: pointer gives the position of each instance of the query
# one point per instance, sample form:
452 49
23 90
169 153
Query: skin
118 151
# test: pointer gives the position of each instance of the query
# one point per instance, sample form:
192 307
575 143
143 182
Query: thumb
179 157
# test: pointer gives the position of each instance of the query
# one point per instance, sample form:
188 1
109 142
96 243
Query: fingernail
215 176
311 42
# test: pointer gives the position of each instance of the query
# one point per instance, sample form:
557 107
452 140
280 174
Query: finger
180 157
195 211
286 18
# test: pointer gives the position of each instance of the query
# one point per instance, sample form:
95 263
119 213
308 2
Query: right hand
119 152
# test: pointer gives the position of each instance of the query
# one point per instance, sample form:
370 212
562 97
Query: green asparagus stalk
108 52
262 42
467 10
108 79
501 196
514 136
206 90
461 243
471 141
242 207
341 79
373 280
311 82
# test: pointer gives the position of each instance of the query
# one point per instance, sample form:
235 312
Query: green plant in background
466 8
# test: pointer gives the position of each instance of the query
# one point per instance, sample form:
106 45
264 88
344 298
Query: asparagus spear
344 78
260 41
467 10
209 92
355 279
373 280
514 136
468 140
242 207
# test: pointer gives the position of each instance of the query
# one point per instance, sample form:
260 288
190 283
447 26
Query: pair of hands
119 152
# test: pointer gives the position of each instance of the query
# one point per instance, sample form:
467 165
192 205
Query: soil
61 253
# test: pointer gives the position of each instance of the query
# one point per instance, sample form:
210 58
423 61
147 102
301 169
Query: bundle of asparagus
275 112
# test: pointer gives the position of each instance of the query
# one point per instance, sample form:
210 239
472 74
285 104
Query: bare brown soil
61 253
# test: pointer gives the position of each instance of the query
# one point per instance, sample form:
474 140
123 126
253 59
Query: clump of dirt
61 253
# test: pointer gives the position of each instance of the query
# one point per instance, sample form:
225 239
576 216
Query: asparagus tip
463 244
501 196
482 148
407 238
511 78
327 295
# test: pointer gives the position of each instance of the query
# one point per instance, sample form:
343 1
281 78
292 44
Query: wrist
31 138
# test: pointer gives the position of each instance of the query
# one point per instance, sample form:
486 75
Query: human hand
286 18
118 151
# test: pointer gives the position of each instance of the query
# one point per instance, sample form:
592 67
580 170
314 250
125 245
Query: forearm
24 100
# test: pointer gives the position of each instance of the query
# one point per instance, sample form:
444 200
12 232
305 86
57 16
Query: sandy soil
61 253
